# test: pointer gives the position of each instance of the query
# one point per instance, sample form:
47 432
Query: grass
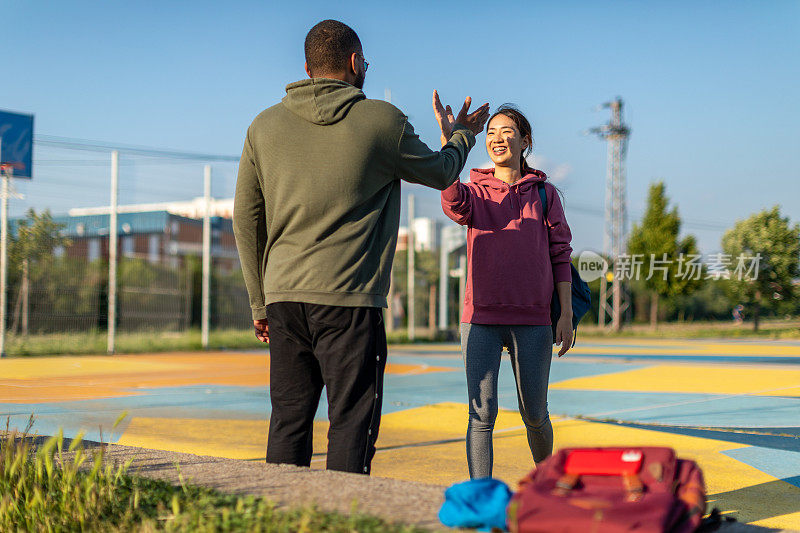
243 339
95 342
52 489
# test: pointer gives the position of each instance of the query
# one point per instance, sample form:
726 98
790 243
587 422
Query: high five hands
444 116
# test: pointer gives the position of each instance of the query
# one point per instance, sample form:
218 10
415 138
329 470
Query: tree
30 252
426 269
37 236
663 253
769 243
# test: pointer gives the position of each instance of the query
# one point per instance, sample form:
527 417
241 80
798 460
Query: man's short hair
329 46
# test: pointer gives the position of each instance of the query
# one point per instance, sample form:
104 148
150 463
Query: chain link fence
60 262
59 227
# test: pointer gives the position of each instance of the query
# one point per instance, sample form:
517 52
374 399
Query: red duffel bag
609 490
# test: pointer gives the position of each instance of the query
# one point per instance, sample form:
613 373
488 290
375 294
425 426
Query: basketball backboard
16 143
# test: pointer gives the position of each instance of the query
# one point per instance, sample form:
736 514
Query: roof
128 223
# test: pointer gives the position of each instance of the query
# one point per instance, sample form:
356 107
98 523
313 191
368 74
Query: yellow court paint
745 348
45 367
735 487
740 346
235 439
435 453
407 370
766 381
649 347
46 391
84 378
448 347
646 346
57 379
427 444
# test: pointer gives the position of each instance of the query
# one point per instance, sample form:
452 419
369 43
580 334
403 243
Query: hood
485 177
321 100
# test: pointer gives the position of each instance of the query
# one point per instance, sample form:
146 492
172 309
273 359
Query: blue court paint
775 441
782 464
783 360
194 401
676 409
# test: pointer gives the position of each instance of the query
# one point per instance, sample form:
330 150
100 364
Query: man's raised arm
420 164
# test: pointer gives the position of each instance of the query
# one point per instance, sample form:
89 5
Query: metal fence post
3 257
112 254
206 255
444 279
411 267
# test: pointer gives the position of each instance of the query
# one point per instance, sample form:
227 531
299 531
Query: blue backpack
478 503
581 297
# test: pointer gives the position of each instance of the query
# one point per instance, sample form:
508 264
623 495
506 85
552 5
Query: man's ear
308 71
353 63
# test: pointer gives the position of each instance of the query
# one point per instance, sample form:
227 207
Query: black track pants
342 349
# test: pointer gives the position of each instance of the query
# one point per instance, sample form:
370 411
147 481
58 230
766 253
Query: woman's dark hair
524 127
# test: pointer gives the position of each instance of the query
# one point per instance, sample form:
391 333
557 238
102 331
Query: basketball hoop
7 172
8 167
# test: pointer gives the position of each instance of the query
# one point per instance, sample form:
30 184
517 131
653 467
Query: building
426 235
402 239
158 233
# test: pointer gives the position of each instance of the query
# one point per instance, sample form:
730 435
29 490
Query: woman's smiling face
504 142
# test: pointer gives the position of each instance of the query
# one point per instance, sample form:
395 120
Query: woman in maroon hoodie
514 259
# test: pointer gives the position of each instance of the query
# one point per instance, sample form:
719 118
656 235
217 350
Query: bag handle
632 483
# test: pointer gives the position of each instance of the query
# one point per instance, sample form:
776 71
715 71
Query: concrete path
291 486
398 501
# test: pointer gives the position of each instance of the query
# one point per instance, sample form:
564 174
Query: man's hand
444 116
473 121
262 329
564 333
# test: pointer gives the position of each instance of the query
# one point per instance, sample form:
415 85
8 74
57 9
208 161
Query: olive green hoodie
317 203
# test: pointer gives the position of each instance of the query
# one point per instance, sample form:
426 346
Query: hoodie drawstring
515 193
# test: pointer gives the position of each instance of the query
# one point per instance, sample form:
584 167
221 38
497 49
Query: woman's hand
564 324
564 333
444 116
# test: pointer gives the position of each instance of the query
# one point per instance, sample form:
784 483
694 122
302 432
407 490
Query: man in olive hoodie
316 214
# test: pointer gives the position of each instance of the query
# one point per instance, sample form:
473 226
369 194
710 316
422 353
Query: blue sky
711 90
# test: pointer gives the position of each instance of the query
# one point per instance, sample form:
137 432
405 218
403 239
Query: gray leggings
530 348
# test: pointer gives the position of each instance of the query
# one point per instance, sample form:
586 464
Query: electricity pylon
616 133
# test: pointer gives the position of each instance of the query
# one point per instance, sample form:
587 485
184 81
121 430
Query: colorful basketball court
732 406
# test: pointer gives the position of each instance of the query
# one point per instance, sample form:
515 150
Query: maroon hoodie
512 257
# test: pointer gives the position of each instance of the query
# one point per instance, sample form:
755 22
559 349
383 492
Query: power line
105 163
103 146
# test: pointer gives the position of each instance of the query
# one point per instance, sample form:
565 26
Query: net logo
591 266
